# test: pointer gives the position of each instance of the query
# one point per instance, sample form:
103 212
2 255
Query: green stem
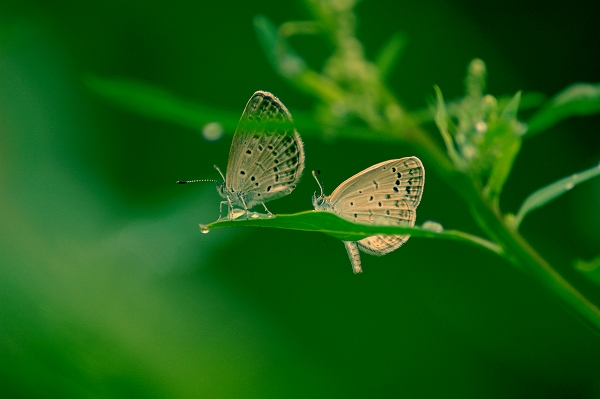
515 248
533 264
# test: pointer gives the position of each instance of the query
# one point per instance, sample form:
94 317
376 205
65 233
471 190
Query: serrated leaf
333 225
576 100
554 190
388 55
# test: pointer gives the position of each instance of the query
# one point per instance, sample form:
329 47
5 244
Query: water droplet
212 131
204 229
569 185
575 177
432 226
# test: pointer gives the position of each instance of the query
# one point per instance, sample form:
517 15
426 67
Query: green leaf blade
281 55
345 230
579 99
441 120
388 55
552 191
159 104
507 144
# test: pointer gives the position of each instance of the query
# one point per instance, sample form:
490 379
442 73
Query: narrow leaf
546 194
388 55
509 113
333 225
290 65
528 101
157 103
441 120
507 143
503 166
532 99
281 55
578 99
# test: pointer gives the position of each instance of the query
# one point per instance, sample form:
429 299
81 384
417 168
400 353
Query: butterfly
266 158
387 194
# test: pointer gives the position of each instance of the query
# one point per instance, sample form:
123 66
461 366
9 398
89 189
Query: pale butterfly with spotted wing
266 158
387 193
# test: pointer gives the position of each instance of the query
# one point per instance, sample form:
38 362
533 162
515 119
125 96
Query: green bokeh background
108 289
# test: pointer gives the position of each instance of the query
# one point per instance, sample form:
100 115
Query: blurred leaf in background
108 289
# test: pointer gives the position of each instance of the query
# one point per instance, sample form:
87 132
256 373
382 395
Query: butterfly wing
402 177
401 213
387 193
266 158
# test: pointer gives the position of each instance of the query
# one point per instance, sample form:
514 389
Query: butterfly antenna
219 170
194 181
318 182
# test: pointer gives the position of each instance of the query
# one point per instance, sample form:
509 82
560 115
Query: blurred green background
108 289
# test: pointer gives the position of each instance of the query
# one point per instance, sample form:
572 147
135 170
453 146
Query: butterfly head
221 188
319 202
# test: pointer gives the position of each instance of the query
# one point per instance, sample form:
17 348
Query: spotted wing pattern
387 193
402 178
266 158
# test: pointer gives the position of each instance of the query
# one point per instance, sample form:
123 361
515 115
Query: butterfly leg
245 207
269 214
230 209
221 209
354 255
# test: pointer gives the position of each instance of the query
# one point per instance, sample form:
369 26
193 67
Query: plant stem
516 249
534 265
340 23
